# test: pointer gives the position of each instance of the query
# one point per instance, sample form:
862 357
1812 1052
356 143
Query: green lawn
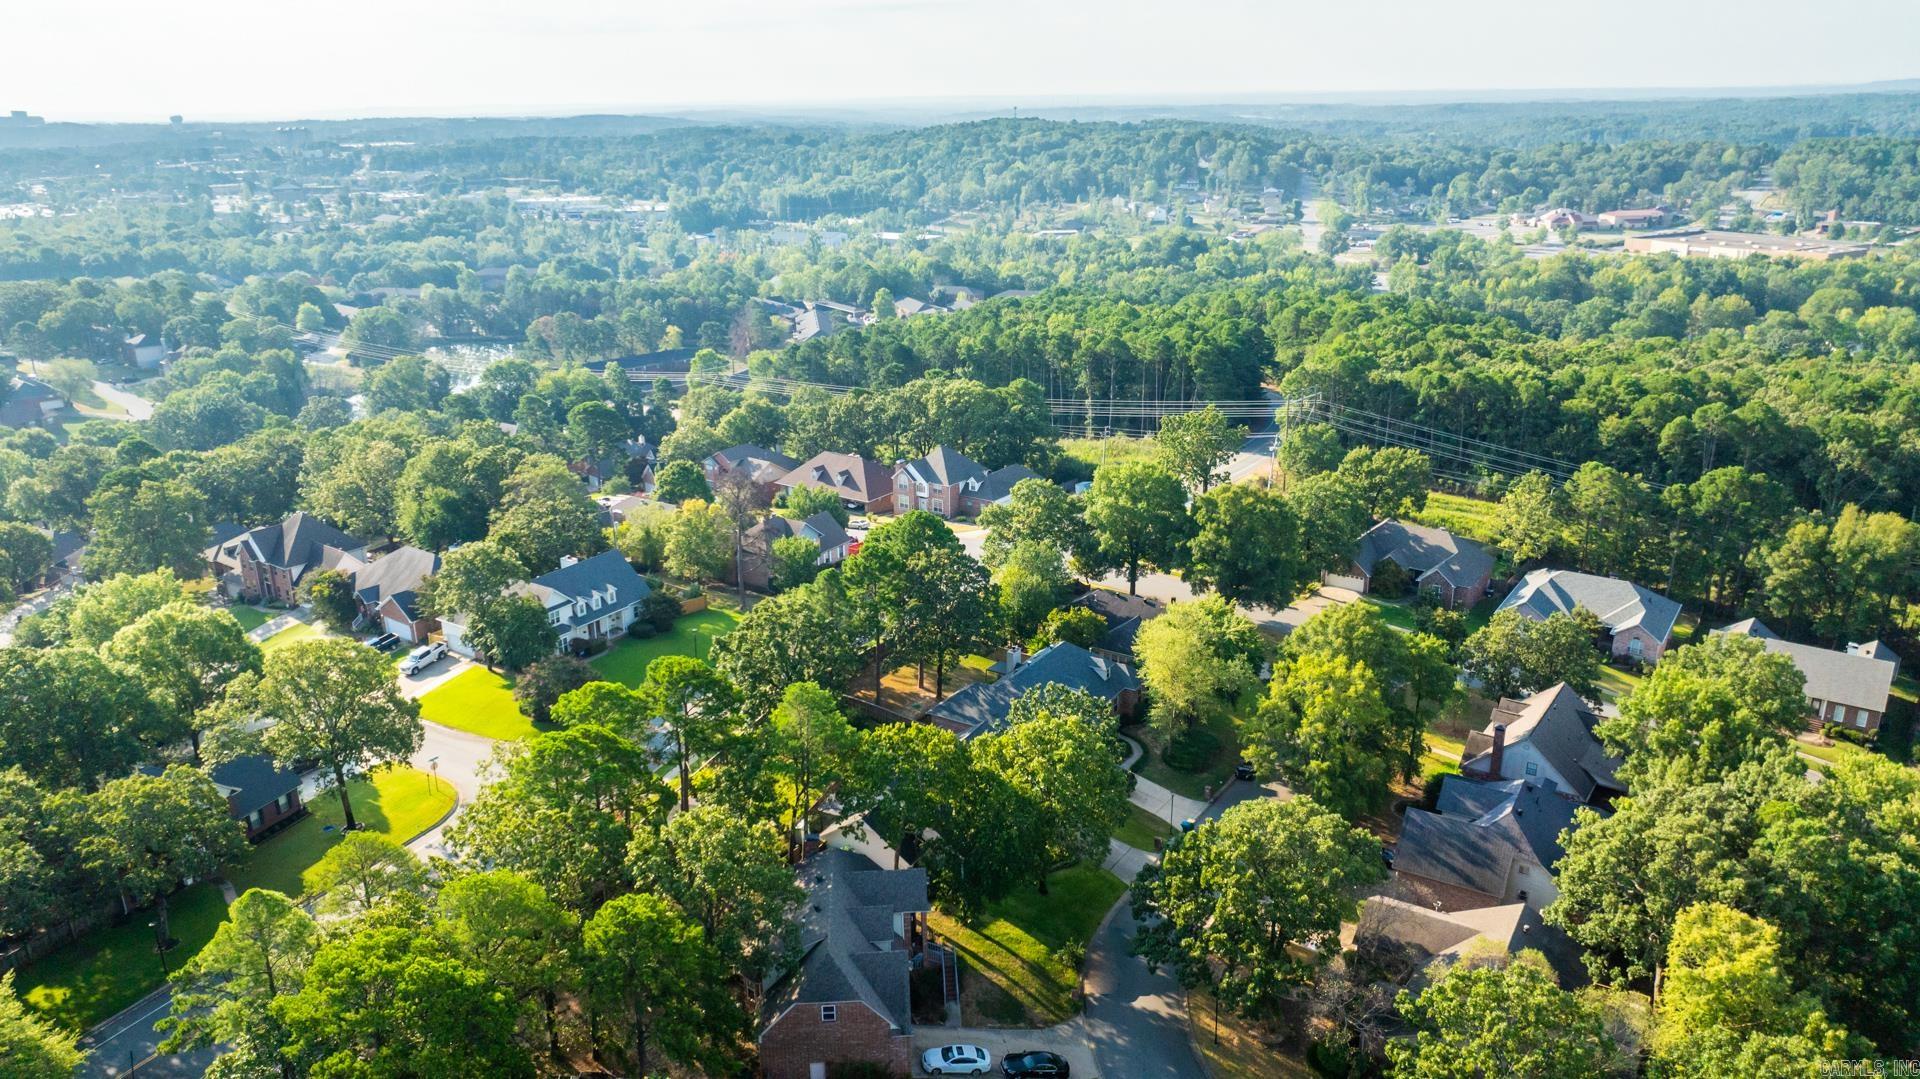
1399 612
1832 754
1015 947
1141 829
107 970
1616 683
398 803
1194 784
480 701
95 977
250 618
1444 745
693 635
299 631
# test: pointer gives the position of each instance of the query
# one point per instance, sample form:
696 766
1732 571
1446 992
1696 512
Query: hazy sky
262 59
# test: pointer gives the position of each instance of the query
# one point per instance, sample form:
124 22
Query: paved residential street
138 407
116 1045
1134 1025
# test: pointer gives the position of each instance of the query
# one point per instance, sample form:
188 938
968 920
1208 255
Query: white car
423 657
956 1060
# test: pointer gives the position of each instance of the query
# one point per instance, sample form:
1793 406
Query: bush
655 615
592 646
1848 734
545 681
1191 750
1390 579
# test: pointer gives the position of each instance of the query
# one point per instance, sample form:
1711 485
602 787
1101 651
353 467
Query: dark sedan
1039 1064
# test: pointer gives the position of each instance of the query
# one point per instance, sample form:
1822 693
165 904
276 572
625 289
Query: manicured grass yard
250 618
1015 974
1194 784
1399 612
693 635
95 977
107 970
1141 829
480 701
299 631
398 803
1616 683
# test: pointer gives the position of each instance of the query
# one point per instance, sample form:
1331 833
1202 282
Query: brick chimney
1498 750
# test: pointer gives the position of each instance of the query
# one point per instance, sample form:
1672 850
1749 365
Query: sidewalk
274 625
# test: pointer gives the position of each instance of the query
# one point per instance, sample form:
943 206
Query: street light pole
160 949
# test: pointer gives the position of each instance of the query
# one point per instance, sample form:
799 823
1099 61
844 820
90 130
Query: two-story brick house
949 483
269 562
847 1001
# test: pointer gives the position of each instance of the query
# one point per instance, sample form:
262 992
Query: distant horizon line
875 109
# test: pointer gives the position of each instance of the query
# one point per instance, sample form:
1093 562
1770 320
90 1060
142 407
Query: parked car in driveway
385 642
423 657
956 1060
1038 1064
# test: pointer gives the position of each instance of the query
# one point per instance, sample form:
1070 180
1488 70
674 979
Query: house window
939 506
1860 718
829 1013
1533 769
1634 647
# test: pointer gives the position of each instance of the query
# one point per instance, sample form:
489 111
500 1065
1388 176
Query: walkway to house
39 603
279 622
1156 799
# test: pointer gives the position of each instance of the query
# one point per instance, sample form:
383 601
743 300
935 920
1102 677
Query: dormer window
580 607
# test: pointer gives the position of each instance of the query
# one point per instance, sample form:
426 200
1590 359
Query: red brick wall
798 1039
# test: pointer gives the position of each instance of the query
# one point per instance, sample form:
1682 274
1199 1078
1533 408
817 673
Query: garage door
1357 584
399 628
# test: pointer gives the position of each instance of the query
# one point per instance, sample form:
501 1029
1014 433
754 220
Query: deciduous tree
1138 515
1511 1019
335 701
1250 903
653 969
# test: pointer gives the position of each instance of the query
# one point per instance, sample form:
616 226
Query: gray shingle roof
1618 604
605 571
1421 550
396 575
1124 616
945 466
254 782
850 952
1478 831
1559 725
982 708
821 528
761 465
1833 676
999 483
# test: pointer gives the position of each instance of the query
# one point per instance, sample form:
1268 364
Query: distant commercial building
1713 243
1650 218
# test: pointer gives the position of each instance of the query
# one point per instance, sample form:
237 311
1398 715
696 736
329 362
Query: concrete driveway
1133 1027
415 686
